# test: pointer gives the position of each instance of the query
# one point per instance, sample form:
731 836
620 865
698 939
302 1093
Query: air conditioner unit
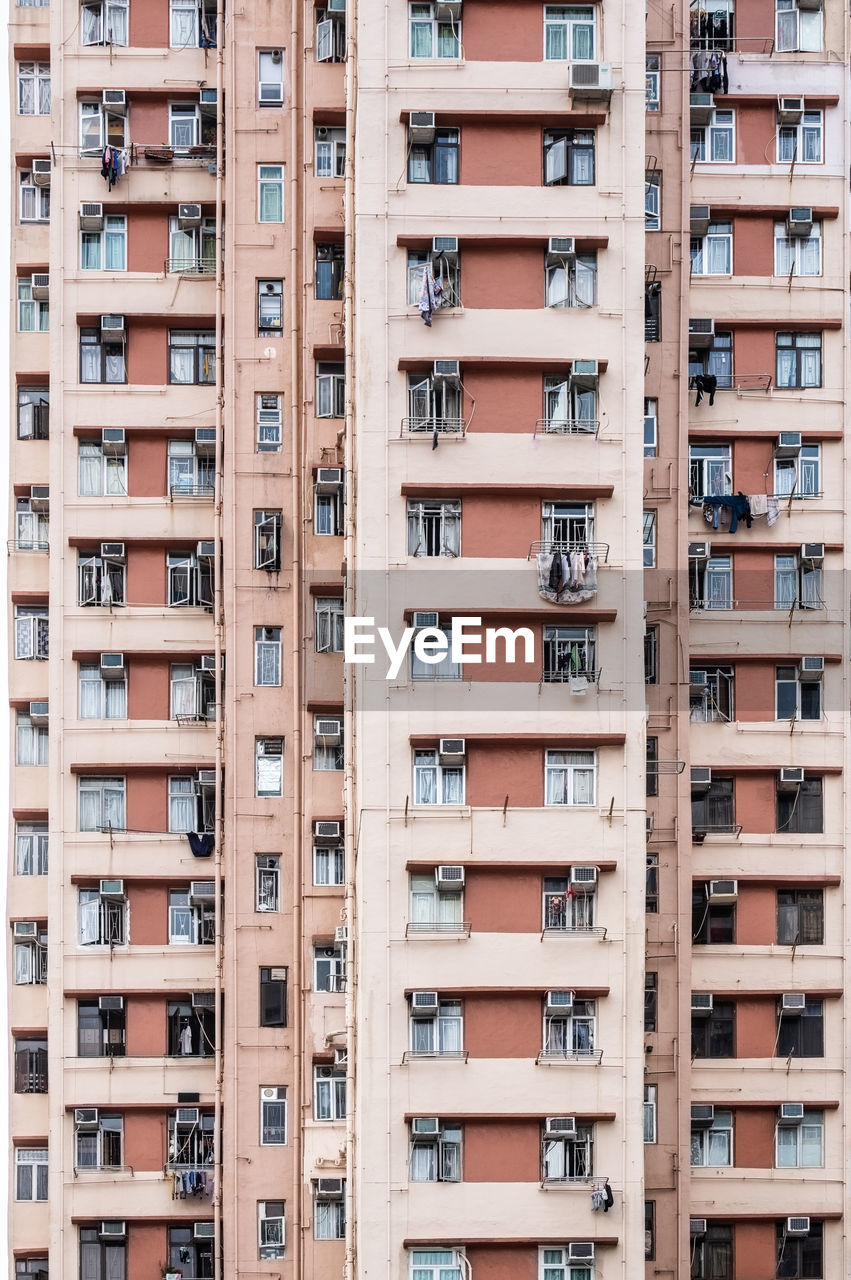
561 246
41 173
701 779
701 332
699 550
560 1127
789 110
421 127
112 550
811 667
111 890
451 750
723 890
702 1115
583 879
793 1002
447 10
449 877
336 6
112 666
447 373
699 215
86 1117
39 713
204 1230
40 497
591 80
205 441
113 442
424 1001
111 1004
202 891
701 106
207 662
206 777
188 215
797 1226
425 1126
328 831
580 1251
328 479
115 100
447 246
799 221
330 731
341 934
40 285
24 929
701 1003
559 1001
91 216
113 325
584 369
206 550
790 778
113 1230
208 98
697 1227
341 1057
813 551
187 1117
329 1188
203 999
788 444
425 618
791 1113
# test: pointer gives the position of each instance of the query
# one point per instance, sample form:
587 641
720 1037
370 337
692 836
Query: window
329 1093
101 1032
191 1028
99 128
102 804
444 668
711 583
652 82
439 1034
715 143
329 968
329 865
712 24
30 1064
716 360
270 193
100 1147
712 1253
189 580
30 1173
328 624
653 201
801 810
269 413
330 36
102 358
433 909
31 841
102 920
437 783
329 1213
653 312
651 756
104 22
799 1256
33 413
191 1142
190 473
31 632
570 777
329 152
32 528
568 1159
329 271
101 1259
33 315
191 921
569 33
571 281
437 161
273 1117
712 254
797 584
191 357
267 655
99 474
569 157
101 699
105 250
712 1036
570 653
569 524
651 655
796 698
437 1264
651 1111
270 306
711 694
800 917
191 805
572 1035
192 249
797 255
799 476
267 540
270 78
565 910
30 958
431 37
34 202
267 881
799 27
269 766
273 997
446 269
798 359
651 881
193 24
434 527
649 539
327 744
712 1148
192 693
330 390
192 1257
714 809
651 1001
434 407
34 88
801 1146
270 1228
801 143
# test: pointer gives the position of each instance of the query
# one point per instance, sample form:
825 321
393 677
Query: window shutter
324 40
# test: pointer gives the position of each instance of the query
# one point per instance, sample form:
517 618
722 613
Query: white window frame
649 524
192 250
267 1106
267 883
651 1113
570 777
434 527
330 391
791 252
566 19
189 581
90 1146
329 865
651 427
111 478
437 1264
184 122
100 921
437 1157
704 249
711 583
37 75
571 1035
328 614
328 757
421 15
32 528
804 34
712 1148
100 789
265 65
30 961
98 22
268 652
653 201
565 1160
710 470
268 529
448 783
36 1160
190 924
722 126
31 848
31 742
190 473
329 1218
194 9
265 751
433 909
554 1264
270 178
270 420
328 514
109 125
30 194
329 967
33 314
329 1093
110 698
32 633
271 1230
791 1149
445 669
806 466
808 130
441 1029
329 151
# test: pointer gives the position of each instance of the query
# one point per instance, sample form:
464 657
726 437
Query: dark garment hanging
556 578
707 384
201 844
739 507
610 1199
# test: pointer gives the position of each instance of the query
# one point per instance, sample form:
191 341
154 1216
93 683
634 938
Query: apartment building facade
319 314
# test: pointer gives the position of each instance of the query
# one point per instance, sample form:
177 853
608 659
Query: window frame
569 157
813 1120
32 841
718 238
271 1105
273 1014
108 480
89 673
267 882
271 179
795 247
32 633
33 412
800 350
449 781
97 1149
795 924
433 527
799 40
329 151
36 74
444 38
327 1080
33 313
713 1152
328 627
30 194
102 13
268 656
330 393
101 351
807 464
37 1168
793 140
263 751
554 25
112 786
334 856
270 431
436 163
566 777
717 136
271 1229
199 345
806 695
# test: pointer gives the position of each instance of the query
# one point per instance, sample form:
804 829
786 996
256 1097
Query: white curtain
184 23
182 805
89 917
425 778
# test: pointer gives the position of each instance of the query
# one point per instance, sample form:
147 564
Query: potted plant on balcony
169 1272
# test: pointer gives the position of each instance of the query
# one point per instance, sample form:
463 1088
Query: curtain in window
810 359
423 895
184 23
114 1262
31 745
449 1031
421 31
115 243
268 663
182 805
90 24
271 202
811 597
453 786
425 783
424 1162
90 468
26 93
183 700
89 917
583 41
557 402
718 255
116 18
811 144
114 364
422 1035
24 967
448 40
269 775
90 362
585 281
810 256
582 163
90 250
181 364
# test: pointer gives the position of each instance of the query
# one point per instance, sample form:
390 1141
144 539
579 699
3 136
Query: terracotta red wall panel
484 275
754 692
502 527
149 120
754 26
756 915
506 399
756 1028
147 689
506 1152
499 769
511 156
503 901
753 578
145 1142
148 908
753 246
753 468
753 351
146 467
756 134
146 803
149 1242
146 576
147 353
146 1026
501 1026
517 37
149 29
756 801
753 1138
147 241
755 1250
498 1262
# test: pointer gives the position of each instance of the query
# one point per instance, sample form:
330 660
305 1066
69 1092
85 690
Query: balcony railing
439 928
191 266
599 550
191 491
426 427
454 1055
567 426
28 544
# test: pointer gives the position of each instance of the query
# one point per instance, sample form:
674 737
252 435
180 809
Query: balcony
567 426
190 266
438 929
434 427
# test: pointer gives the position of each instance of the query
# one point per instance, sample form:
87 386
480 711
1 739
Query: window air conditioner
560 1127
592 80
330 731
187 1117
112 325
699 550
208 98
559 1001
24 929
188 215
791 1113
701 779
39 713
451 750
799 221
328 479
421 127
449 877
447 373
203 999
789 110
202 891
701 106
583 879
40 497
207 662
206 550
580 1251
341 934
91 216
115 100
580 369
112 666
811 667
701 332
699 215
113 1230
797 1226
697 1227
205 441
813 551
113 442
561 246
701 1003
447 246
111 890
329 1188
425 1126
85 1117
206 777
790 778
447 10
788 444
328 831
40 285
112 550
424 1001
723 890
204 1230
425 618
41 173
702 1115
111 1004
793 1002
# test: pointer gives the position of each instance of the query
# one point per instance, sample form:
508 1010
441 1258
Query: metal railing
427 426
567 426
600 550
191 266
191 491
461 929
27 544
